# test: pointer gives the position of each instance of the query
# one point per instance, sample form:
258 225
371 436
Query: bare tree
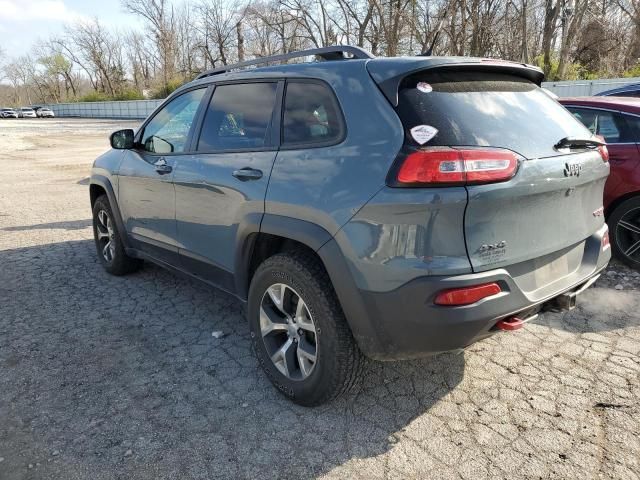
161 25
97 51
220 22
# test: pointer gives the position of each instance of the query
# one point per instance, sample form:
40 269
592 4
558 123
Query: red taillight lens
605 241
604 152
466 295
442 165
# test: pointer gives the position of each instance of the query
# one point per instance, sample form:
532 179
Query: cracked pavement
120 378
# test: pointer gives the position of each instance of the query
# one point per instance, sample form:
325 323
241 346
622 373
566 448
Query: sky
23 22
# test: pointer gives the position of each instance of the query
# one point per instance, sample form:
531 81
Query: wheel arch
619 200
275 234
261 237
99 185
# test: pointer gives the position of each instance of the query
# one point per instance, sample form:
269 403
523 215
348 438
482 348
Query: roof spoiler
388 79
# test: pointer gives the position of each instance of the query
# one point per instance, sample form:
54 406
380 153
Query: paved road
106 378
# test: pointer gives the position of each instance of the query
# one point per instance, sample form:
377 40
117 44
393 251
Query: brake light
604 151
466 295
443 165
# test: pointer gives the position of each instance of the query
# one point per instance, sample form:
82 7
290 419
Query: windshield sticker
423 133
424 87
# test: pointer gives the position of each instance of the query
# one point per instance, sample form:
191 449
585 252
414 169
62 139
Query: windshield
486 109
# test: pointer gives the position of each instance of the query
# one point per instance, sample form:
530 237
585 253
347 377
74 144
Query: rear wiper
574 142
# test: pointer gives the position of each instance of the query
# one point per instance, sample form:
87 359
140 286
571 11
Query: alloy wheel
628 234
106 236
288 332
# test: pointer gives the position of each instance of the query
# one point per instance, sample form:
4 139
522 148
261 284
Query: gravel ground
105 378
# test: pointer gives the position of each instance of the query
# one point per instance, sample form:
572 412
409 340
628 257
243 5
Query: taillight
604 153
443 165
602 149
466 295
605 241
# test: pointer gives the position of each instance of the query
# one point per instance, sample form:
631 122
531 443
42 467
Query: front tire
109 246
299 332
624 225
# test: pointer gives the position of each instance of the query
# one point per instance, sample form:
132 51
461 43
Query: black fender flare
104 183
307 233
332 257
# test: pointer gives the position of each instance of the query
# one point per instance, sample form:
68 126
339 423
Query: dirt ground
120 378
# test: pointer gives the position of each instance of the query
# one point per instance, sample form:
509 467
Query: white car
26 112
45 112
8 113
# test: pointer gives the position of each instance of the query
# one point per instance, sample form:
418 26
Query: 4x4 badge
487 247
572 169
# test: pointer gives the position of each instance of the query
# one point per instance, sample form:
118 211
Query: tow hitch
567 300
564 301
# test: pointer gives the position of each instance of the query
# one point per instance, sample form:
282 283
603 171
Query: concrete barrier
586 88
135 109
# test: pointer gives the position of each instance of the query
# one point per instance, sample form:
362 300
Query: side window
634 127
311 114
238 117
630 93
612 126
168 130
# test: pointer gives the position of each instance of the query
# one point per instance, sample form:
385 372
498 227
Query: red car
617 119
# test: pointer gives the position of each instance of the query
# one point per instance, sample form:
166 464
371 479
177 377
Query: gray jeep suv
391 207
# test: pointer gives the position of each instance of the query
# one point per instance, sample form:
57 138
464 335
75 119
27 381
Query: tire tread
122 264
350 362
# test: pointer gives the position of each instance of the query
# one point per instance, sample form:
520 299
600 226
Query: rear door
223 184
548 206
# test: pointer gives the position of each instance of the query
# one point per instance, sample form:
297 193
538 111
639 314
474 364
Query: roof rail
326 53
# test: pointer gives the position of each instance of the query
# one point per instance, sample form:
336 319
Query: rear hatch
550 204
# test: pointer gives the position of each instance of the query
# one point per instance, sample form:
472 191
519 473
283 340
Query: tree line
569 39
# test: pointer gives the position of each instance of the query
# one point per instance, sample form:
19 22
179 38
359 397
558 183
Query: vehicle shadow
67 225
122 375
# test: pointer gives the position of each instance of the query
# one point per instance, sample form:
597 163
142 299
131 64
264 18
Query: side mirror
122 139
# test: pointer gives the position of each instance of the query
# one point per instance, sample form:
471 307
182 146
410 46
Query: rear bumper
405 323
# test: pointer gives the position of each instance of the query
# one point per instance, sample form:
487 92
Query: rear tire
624 226
109 246
301 338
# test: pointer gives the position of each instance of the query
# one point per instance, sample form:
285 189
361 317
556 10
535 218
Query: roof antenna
429 51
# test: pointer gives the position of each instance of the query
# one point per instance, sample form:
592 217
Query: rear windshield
485 109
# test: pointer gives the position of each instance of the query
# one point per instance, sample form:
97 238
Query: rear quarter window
486 109
312 116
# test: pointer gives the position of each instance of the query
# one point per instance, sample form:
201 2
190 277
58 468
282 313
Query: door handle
161 166
247 173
